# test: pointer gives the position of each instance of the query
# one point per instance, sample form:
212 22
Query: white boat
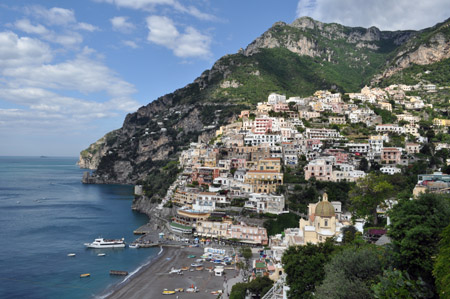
133 245
71 254
176 271
106 243
101 254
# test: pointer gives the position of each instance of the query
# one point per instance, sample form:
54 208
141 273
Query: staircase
276 292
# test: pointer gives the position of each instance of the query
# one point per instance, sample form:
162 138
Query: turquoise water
46 213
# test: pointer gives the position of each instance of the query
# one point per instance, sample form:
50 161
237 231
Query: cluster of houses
243 166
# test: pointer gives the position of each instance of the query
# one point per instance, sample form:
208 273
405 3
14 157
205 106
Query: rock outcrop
305 36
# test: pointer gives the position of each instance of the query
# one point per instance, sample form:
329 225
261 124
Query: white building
389 128
358 147
265 203
274 98
257 139
390 170
322 134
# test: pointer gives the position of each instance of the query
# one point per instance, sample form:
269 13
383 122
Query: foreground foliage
304 266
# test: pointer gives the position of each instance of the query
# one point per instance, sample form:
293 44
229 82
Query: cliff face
426 47
150 135
306 36
293 59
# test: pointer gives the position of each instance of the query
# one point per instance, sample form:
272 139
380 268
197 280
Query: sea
47 213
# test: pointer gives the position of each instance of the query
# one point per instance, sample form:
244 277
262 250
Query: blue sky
70 71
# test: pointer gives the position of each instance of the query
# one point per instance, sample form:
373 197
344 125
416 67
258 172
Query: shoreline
152 279
110 291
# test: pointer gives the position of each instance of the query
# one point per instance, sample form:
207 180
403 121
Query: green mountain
293 59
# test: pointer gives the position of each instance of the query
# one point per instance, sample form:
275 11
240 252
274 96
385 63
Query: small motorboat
216 292
71 254
192 289
167 292
179 290
199 268
191 256
85 275
133 245
101 254
184 268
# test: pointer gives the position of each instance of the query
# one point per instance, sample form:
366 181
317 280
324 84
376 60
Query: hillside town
328 137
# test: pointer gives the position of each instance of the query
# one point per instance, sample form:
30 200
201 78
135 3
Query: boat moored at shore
106 243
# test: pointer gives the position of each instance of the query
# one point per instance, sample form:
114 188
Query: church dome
324 208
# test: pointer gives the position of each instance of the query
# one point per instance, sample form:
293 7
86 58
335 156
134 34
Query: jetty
145 229
118 272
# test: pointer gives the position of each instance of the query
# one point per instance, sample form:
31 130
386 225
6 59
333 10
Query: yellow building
273 164
264 108
441 122
213 229
264 181
321 223
182 197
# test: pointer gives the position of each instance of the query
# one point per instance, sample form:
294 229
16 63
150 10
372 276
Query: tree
281 222
246 252
441 269
348 233
415 230
398 284
260 286
369 192
304 267
364 164
350 273
238 290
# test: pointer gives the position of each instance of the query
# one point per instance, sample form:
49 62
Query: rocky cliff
426 47
306 36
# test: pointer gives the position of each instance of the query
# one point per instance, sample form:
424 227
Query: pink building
281 107
391 155
244 113
238 163
340 155
313 144
321 169
249 234
262 125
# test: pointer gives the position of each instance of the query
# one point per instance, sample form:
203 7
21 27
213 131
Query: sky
71 70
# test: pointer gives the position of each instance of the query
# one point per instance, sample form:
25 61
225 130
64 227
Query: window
326 222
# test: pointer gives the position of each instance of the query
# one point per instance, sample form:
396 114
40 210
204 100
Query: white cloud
86 27
80 74
130 43
150 5
121 24
66 93
162 31
193 43
26 26
384 14
18 51
52 16
62 25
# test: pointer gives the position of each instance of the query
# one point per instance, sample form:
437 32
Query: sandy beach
153 279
